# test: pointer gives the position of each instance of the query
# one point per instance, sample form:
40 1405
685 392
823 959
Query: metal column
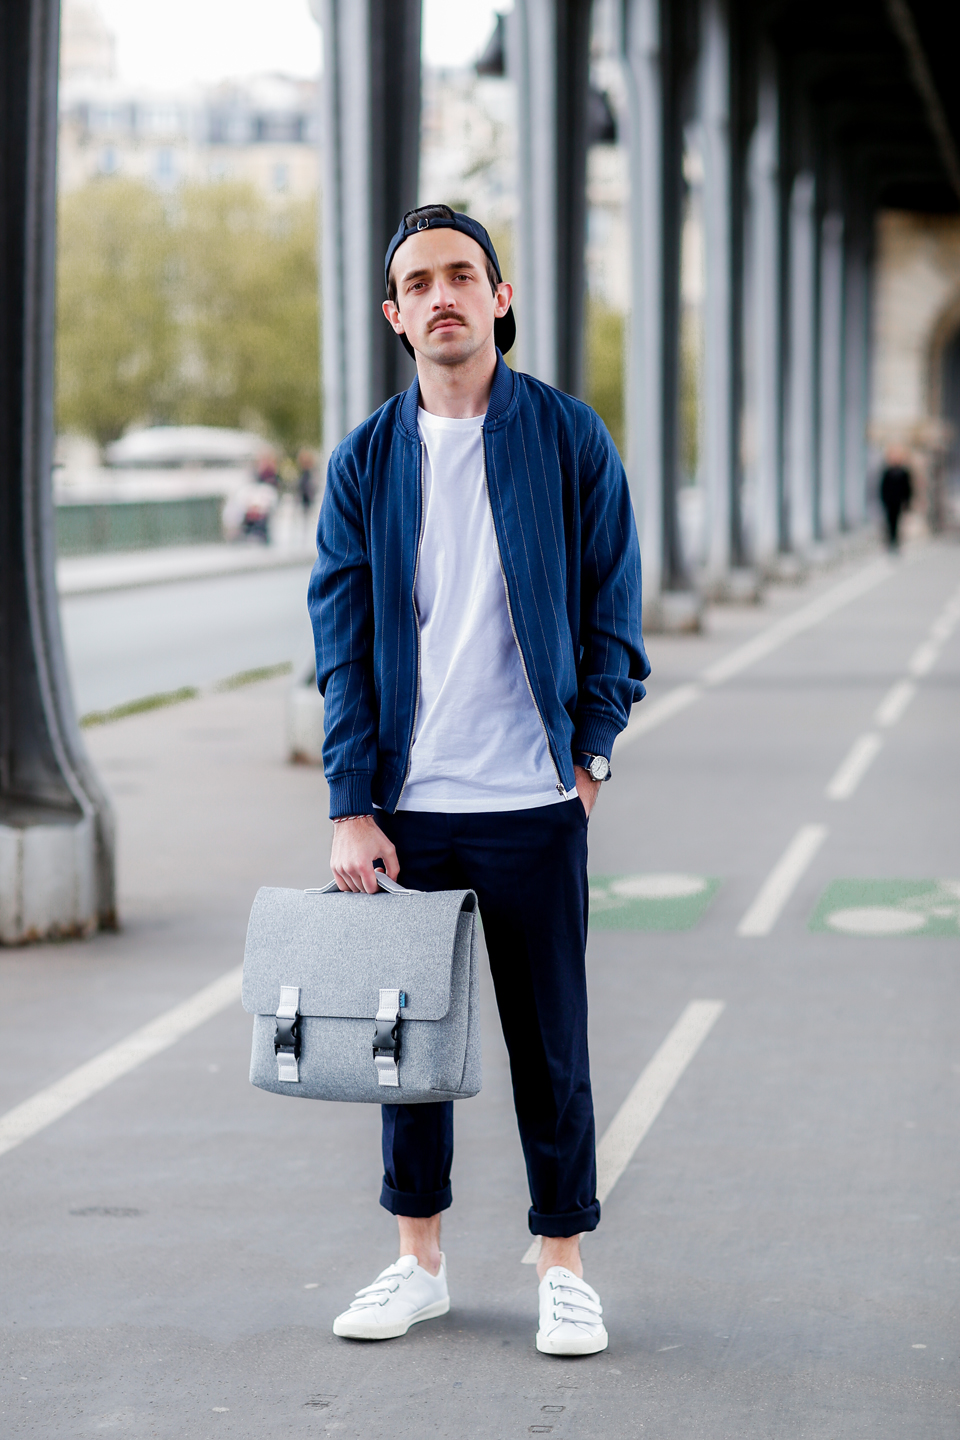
831 374
718 418
371 148
653 58
548 50
855 363
764 401
56 832
801 448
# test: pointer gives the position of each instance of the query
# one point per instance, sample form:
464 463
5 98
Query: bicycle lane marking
653 1089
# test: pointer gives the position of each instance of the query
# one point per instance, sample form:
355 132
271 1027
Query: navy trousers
529 870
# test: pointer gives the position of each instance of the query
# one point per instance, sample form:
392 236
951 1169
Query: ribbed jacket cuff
351 794
595 735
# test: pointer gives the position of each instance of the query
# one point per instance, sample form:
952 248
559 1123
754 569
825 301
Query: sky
168 43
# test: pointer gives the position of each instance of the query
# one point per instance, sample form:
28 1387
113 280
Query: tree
116 343
196 308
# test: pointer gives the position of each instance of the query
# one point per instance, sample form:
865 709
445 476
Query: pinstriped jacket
571 570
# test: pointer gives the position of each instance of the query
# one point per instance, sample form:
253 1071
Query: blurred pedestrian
267 473
476 610
306 480
896 491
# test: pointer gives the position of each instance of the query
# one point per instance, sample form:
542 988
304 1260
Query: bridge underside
805 116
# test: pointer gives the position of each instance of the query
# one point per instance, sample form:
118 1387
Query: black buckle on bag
386 1038
286 1035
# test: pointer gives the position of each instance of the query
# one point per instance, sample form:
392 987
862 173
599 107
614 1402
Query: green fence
87 528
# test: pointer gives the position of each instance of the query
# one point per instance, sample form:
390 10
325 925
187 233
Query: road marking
64 1095
796 623
657 1082
782 881
926 655
889 907
651 713
649 902
924 658
893 704
647 718
854 766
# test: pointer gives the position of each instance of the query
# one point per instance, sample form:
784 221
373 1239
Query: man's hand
356 844
587 787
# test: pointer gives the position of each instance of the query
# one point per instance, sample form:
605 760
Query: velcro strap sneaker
401 1296
571 1320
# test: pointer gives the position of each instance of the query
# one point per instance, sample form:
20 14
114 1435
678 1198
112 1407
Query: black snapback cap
441 217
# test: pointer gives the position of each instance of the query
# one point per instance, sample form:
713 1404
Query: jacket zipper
416 612
516 637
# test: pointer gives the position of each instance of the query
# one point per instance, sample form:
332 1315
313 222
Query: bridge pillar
856 345
56 831
831 373
764 308
654 58
371 151
719 427
801 363
548 56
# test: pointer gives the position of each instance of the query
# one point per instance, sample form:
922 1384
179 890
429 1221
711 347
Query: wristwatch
596 766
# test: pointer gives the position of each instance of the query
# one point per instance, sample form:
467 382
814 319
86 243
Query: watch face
599 767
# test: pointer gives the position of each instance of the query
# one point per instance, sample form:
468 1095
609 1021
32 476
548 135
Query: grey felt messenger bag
364 997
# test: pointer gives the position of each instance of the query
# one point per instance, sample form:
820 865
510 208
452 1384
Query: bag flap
342 949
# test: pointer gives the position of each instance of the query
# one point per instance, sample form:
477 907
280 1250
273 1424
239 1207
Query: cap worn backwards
441 217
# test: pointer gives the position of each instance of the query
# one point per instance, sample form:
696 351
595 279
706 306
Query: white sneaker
570 1312
400 1296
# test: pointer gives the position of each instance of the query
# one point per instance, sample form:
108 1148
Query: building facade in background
262 130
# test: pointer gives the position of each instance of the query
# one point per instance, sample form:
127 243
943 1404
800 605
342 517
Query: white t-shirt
479 742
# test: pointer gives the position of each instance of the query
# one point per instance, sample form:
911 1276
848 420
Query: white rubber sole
574 1345
364 1327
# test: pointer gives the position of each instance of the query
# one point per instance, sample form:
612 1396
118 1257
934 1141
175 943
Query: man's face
444 305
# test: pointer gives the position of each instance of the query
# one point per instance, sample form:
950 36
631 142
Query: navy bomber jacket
571 568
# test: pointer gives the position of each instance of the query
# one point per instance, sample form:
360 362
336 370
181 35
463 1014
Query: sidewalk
292 543
132 569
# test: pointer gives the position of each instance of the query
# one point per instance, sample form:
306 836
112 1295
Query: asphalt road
126 644
780 1256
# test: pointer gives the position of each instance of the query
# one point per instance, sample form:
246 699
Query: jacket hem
351 794
596 735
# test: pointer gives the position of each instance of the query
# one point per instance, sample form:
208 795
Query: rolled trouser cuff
563 1227
415 1207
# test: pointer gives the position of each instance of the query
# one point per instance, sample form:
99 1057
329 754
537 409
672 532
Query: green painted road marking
649 902
889 907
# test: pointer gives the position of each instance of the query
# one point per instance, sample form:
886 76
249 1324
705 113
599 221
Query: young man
476 608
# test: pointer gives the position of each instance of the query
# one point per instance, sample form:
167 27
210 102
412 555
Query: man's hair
436 212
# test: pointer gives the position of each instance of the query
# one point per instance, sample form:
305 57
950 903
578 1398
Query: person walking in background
476 609
896 491
306 482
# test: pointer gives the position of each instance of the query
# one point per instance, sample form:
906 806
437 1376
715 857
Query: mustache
445 319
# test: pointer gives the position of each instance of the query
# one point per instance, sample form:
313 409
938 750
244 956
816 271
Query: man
476 608
896 492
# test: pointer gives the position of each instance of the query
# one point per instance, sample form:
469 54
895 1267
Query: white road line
64 1095
782 881
924 658
796 623
854 766
650 714
645 719
647 1098
894 703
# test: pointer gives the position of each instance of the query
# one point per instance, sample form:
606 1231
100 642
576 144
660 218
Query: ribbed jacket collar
501 398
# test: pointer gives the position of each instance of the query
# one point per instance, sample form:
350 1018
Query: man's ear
393 316
502 301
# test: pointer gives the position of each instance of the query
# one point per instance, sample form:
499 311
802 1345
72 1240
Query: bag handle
383 881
